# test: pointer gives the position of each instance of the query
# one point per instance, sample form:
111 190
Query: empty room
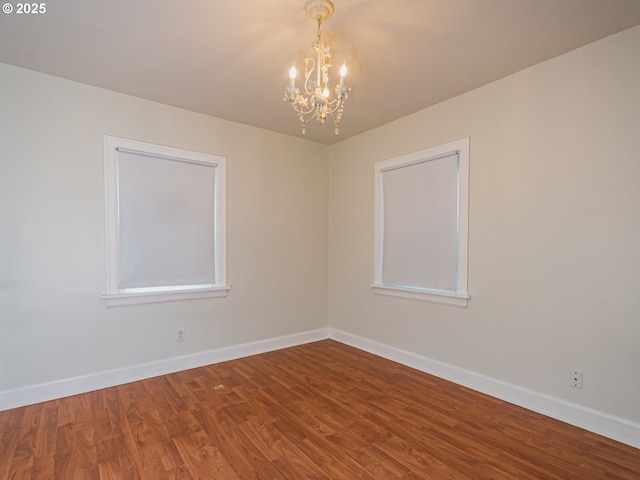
347 239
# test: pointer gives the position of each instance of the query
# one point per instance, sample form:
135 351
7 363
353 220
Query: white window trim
116 296
460 297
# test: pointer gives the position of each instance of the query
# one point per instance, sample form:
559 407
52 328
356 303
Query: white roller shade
166 216
420 218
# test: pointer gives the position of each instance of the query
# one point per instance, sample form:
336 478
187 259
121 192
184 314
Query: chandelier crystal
314 99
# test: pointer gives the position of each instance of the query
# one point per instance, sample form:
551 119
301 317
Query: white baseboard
602 423
73 386
595 421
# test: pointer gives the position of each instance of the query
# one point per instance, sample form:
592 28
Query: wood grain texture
318 411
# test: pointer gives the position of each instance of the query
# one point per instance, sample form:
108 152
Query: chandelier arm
332 106
299 108
307 73
306 117
311 110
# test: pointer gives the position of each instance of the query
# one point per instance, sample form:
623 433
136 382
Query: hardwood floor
317 411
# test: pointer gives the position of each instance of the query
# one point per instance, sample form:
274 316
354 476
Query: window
165 223
421 222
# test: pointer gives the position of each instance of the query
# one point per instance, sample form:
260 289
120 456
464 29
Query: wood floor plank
318 411
22 446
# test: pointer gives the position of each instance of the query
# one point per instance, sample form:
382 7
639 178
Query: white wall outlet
181 335
575 378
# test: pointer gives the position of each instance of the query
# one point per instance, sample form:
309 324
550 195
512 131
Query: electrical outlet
181 335
575 378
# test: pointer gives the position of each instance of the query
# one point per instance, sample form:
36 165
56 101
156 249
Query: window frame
460 296
117 296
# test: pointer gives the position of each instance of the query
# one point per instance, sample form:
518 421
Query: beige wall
52 255
554 230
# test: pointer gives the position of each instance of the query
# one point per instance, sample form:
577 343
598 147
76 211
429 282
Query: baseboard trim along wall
73 386
617 428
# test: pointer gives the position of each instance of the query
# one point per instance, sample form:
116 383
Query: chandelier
314 100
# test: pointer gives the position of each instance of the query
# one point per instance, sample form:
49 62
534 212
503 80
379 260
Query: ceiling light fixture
315 101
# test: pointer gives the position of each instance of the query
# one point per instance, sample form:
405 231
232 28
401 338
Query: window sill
156 296
435 296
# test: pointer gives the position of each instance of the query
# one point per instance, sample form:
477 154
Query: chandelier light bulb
343 73
292 77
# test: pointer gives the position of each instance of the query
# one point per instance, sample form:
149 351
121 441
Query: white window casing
165 214
421 225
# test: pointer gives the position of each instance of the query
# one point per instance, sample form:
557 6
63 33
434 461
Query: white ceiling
230 59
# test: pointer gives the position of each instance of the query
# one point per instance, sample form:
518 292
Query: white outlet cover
575 378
